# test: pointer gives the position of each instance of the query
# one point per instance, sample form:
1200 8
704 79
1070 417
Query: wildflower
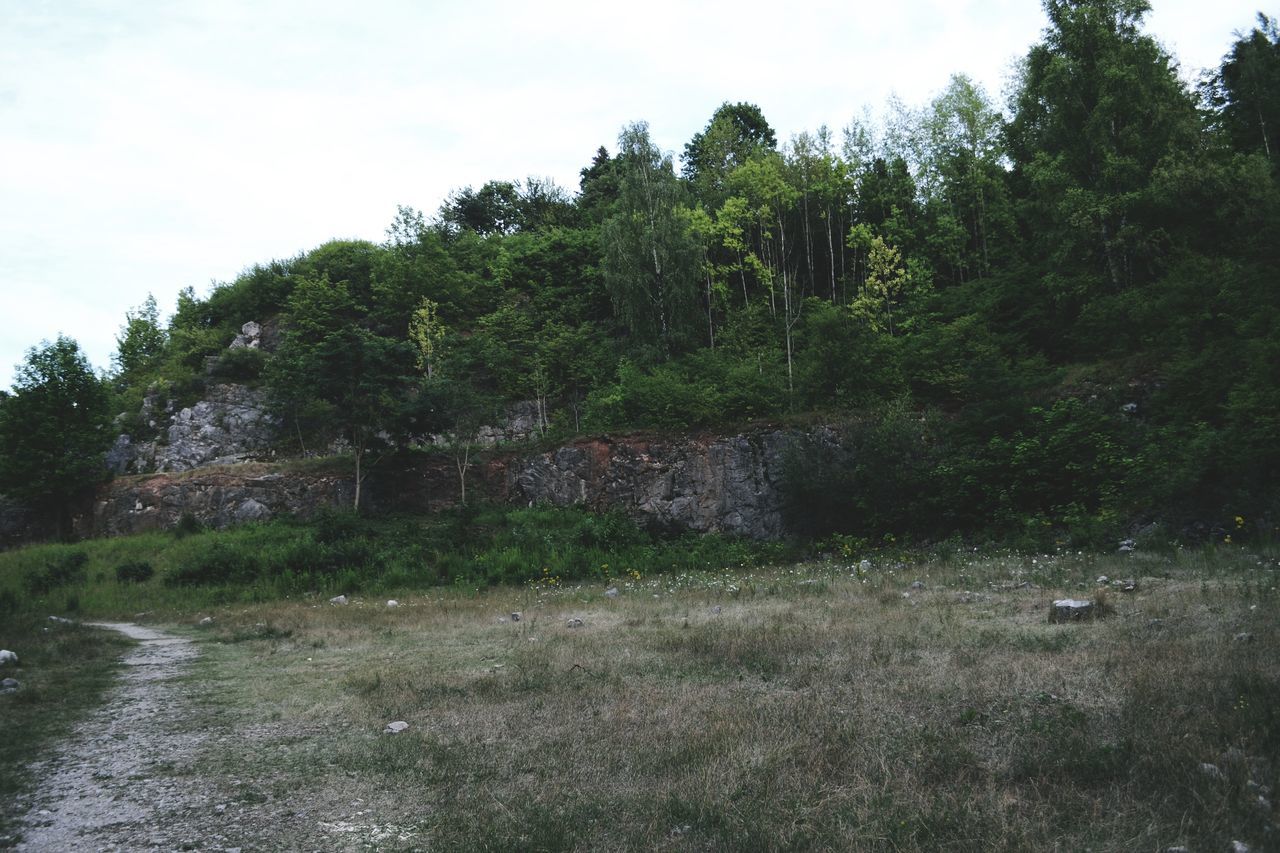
1226 540
1239 521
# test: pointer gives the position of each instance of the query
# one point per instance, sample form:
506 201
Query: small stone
391 602
1243 637
1240 847
1103 580
395 728
917 584
7 656
612 592
338 599
1127 545
864 566
717 609
574 623
208 620
220 808
1071 610
1128 585
515 616
9 685
1211 770
1129 408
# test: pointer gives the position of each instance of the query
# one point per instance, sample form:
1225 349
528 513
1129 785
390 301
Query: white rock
391 602
574 623
1240 847
8 685
1103 580
864 566
395 728
7 656
208 620
612 592
338 599
1071 609
917 584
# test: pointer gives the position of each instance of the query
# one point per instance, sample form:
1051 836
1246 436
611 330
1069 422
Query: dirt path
100 790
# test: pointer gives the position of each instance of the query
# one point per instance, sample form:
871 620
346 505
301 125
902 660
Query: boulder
1072 610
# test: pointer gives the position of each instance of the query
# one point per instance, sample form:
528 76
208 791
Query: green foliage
53 430
141 342
651 257
138 571
243 365
64 569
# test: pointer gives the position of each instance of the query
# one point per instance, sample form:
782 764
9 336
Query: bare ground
99 790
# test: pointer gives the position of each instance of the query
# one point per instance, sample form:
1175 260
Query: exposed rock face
712 484
233 424
727 485
215 498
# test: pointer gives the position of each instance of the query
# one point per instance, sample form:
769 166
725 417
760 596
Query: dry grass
814 707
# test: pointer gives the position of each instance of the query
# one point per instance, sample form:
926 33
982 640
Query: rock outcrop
232 424
725 484
214 498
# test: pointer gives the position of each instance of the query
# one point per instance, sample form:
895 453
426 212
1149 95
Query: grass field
822 705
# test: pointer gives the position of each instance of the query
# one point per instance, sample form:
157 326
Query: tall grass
343 553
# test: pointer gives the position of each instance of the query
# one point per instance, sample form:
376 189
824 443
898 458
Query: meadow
881 702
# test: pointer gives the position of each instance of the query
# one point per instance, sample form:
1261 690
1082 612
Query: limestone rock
391 602
8 685
1072 610
252 510
7 657
396 728
574 623
338 599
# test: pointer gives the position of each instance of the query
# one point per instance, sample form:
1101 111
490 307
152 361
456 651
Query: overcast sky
146 147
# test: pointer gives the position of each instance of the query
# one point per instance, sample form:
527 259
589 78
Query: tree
651 260
336 374
54 430
735 134
1099 106
141 341
1245 91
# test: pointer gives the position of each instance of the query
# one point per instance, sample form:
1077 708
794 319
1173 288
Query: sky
146 147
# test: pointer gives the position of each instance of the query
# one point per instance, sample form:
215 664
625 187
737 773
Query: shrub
187 525
65 569
134 572
220 563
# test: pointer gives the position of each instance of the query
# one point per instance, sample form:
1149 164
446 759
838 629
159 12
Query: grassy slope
815 709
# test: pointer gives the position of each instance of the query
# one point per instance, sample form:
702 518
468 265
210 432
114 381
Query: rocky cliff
232 424
722 484
726 484
214 497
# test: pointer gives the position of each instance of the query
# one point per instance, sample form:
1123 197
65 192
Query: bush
134 572
63 570
220 563
239 365
187 525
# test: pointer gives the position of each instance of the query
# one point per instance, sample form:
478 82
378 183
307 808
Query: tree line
1051 317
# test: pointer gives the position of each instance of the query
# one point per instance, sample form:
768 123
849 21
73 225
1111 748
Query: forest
1052 319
